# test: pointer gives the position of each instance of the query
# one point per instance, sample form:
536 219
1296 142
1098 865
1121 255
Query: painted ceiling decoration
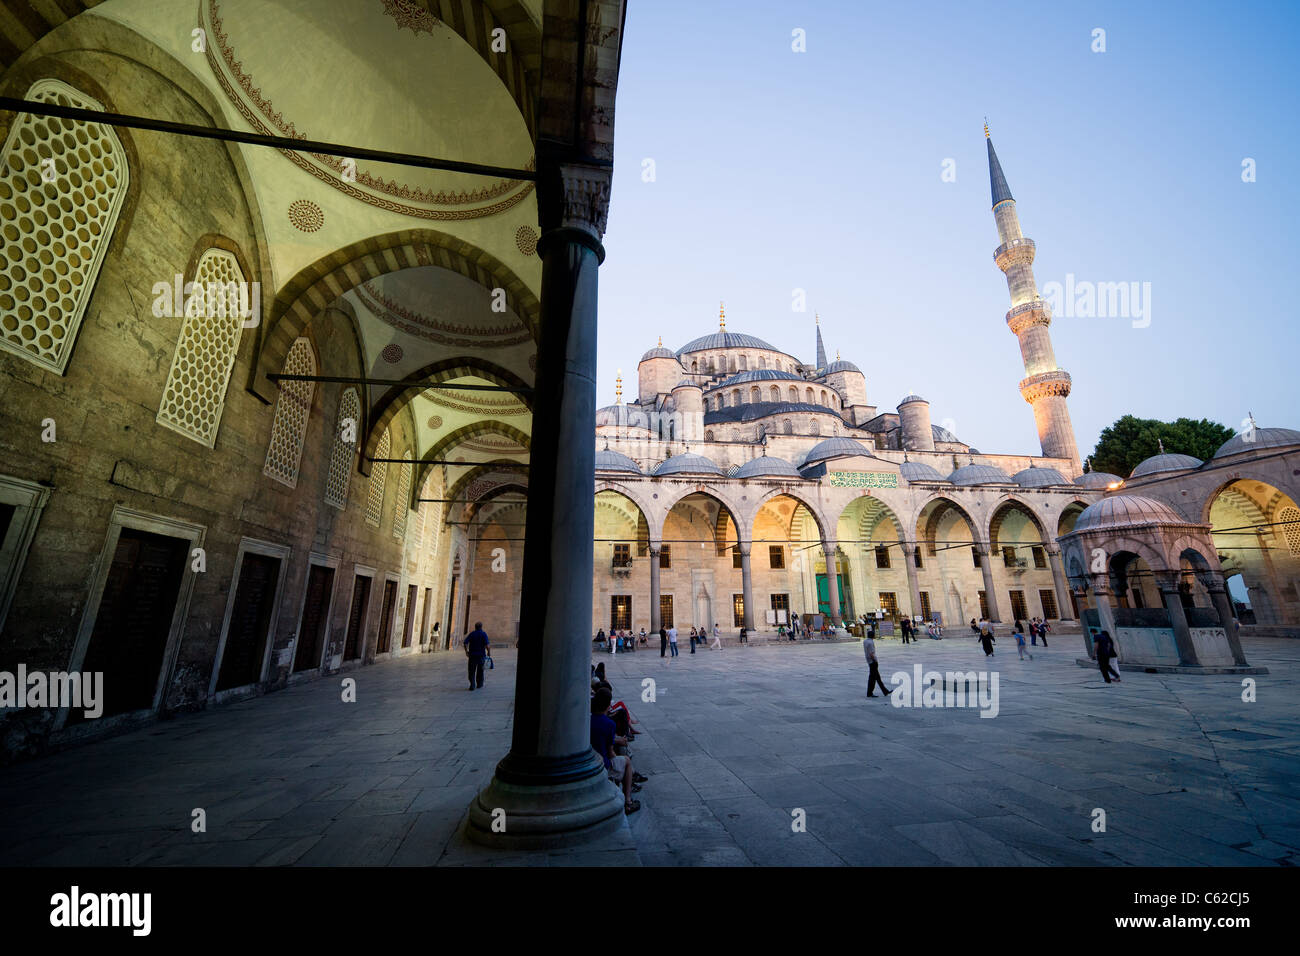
494 446
240 88
461 402
408 14
408 320
305 215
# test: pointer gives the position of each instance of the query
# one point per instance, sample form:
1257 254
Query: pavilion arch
632 526
445 370
1137 548
799 498
1069 515
1279 483
1002 508
931 514
631 493
325 280
727 514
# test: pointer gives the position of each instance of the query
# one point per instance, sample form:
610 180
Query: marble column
986 569
655 620
832 581
551 789
913 588
1178 621
1063 606
1219 596
746 585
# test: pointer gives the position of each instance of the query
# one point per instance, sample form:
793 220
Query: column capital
581 197
830 547
744 547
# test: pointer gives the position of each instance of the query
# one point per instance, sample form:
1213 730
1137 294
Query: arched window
695 365
708 436
403 502
786 427
814 428
62 184
735 435
195 394
345 446
743 363
378 478
808 395
755 396
794 394
733 363
825 398
670 429
775 393
762 361
735 398
292 407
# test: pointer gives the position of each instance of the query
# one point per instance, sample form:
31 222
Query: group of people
612 731
619 640
668 639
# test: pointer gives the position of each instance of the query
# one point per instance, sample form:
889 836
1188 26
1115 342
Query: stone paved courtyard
1185 771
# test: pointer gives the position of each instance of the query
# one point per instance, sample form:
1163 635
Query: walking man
873 676
476 649
717 638
1105 654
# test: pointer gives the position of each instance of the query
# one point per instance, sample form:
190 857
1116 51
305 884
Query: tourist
1043 630
604 735
618 712
1020 639
744 635
975 629
873 668
672 640
1105 654
986 638
663 640
717 638
694 636
906 630
476 649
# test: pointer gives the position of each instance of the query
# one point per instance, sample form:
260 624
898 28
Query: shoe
871 695
639 778
631 806
471 686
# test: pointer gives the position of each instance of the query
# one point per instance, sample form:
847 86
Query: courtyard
735 744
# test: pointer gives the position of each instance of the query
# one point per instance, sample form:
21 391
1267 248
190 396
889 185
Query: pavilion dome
979 475
658 352
1039 477
920 471
688 463
1098 480
1158 464
767 467
838 366
910 398
1260 438
942 434
1123 511
607 460
840 447
725 340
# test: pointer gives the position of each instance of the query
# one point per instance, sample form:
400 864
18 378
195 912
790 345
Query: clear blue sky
821 170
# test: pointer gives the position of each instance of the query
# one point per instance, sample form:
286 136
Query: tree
1123 445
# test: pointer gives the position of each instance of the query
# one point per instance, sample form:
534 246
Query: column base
542 816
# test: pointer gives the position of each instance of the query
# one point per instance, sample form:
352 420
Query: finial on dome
837 355
618 388
722 318
905 458
986 127
1161 443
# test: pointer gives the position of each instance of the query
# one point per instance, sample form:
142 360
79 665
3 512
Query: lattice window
345 446
378 476
403 506
195 394
289 429
1289 520
62 184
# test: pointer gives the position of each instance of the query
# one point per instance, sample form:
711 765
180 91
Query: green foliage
1130 440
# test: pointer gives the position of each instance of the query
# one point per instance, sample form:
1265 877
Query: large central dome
726 340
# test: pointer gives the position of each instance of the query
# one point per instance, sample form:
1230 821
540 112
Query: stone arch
629 492
1069 514
678 495
1278 483
464 433
797 496
931 512
478 470
998 514
325 280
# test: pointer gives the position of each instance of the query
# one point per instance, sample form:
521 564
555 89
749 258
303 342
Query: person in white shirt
873 677
672 640
717 638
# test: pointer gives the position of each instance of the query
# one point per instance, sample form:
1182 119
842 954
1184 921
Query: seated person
604 736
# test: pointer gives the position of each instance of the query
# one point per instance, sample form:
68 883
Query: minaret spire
821 349
1045 385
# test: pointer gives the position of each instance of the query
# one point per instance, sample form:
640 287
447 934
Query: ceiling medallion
526 240
408 14
392 354
305 215
435 422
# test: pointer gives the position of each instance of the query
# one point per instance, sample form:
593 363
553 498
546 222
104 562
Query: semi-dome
659 352
840 447
754 410
767 467
688 463
1098 480
685 383
910 398
725 340
838 366
979 475
1256 439
920 471
1125 511
1033 477
607 460
759 375
1158 464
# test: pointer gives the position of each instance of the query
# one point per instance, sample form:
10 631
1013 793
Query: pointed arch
449 441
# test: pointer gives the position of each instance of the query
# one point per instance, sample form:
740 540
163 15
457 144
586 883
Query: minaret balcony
1054 382
1014 253
1028 314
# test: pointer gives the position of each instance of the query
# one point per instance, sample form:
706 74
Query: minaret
1045 385
821 349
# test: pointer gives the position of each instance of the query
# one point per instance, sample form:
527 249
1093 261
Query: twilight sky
776 171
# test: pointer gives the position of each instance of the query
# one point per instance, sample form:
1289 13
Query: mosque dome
1098 480
942 434
835 448
979 475
906 399
838 366
688 463
767 467
607 460
759 375
1259 438
725 340
658 352
1158 464
1125 511
920 471
1039 477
